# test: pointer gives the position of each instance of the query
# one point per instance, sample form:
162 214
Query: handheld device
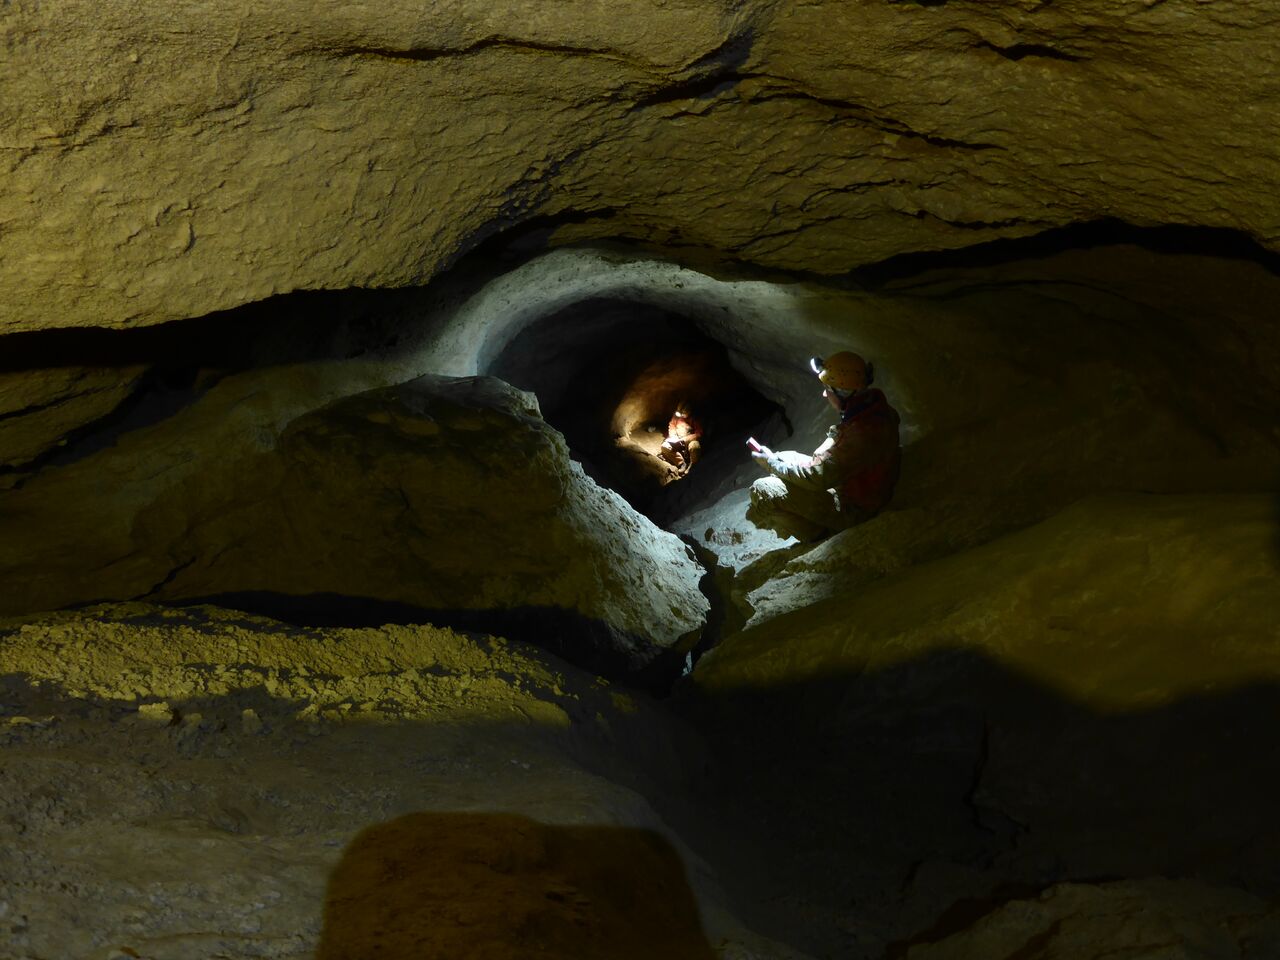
754 444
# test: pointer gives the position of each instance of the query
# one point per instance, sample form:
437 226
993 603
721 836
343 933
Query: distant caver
683 445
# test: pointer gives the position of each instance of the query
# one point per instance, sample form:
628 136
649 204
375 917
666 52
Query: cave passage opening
609 374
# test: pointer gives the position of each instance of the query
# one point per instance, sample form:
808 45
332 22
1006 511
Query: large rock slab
40 407
1071 701
434 499
162 162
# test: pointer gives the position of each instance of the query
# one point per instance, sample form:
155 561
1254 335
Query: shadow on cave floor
851 816
857 814
586 643
179 361
497 885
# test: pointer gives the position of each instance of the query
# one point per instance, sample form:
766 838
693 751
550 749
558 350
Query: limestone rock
1070 701
39 407
1180 578
114 654
791 579
1153 919
435 498
162 162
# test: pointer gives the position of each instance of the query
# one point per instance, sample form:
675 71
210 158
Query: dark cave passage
609 374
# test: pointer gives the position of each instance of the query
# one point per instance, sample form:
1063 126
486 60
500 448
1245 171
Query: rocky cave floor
198 783
334 623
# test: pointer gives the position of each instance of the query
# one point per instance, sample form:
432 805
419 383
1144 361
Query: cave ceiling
164 161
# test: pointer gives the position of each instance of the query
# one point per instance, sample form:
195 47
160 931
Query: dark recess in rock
1021 51
591 363
184 358
1169 238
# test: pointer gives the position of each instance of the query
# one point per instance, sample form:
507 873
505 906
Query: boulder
442 500
1183 579
1083 698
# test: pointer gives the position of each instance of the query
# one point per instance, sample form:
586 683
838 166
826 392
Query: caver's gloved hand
759 452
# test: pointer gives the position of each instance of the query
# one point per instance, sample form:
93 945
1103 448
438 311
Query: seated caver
683 444
850 477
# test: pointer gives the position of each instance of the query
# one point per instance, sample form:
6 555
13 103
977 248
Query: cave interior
347 609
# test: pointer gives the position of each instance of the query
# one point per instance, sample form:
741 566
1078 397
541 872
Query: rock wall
164 162
1017 714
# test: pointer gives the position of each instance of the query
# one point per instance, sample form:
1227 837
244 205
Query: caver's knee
768 490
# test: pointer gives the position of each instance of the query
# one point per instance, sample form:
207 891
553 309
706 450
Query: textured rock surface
1031 379
447 496
163 162
1187 582
1152 919
39 407
1024 385
936 736
1071 701
180 785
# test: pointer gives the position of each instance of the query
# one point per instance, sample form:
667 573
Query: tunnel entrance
611 375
